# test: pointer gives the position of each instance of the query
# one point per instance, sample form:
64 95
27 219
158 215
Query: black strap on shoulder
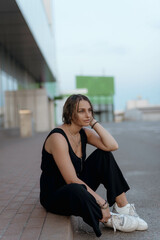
57 130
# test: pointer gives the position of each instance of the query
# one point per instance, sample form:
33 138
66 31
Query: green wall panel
101 99
97 86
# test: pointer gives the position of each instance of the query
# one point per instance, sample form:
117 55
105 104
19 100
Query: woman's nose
88 114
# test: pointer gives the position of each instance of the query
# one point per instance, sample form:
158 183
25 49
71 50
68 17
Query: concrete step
57 227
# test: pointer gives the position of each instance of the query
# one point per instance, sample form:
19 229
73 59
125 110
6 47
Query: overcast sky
119 38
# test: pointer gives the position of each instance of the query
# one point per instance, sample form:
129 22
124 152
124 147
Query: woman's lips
87 121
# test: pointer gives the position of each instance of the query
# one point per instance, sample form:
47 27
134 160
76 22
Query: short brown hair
70 106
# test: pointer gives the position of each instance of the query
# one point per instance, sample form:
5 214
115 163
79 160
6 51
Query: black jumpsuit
73 199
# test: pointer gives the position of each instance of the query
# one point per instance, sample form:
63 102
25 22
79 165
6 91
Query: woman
69 180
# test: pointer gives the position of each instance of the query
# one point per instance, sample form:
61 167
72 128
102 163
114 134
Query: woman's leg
74 199
121 200
101 167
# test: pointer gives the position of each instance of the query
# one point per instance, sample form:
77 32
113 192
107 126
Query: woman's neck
72 128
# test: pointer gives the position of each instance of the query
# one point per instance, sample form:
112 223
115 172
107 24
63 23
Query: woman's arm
100 137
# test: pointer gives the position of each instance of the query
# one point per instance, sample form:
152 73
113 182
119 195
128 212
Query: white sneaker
130 210
122 223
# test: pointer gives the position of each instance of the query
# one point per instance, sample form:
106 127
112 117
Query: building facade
27 51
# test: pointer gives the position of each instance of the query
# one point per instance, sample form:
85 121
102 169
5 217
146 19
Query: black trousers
74 199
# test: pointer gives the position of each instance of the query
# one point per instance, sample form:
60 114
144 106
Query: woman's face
83 113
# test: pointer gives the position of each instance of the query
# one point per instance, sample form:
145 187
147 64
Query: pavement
23 218
21 215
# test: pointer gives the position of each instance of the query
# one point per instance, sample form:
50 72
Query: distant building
140 110
101 94
137 103
27 61
119 116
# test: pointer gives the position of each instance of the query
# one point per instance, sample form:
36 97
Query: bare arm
100 137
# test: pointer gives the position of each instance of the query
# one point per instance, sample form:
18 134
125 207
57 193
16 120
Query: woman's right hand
92 121
106 215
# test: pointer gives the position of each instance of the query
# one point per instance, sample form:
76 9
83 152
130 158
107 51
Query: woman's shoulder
55 133
55 138
58 131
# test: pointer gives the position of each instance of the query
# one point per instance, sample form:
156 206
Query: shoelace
132 210
117 220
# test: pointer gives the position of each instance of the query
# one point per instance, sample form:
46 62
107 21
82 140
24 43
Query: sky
119 38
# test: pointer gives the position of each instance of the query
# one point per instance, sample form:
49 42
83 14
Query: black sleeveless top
51 178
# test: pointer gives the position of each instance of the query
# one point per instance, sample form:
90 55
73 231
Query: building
101 94
27 61
141 110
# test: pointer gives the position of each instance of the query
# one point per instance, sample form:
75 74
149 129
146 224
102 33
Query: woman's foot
122 222
130 210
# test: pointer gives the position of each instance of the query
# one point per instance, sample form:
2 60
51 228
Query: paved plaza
23 218
139 159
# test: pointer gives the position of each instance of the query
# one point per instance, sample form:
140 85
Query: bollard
25 123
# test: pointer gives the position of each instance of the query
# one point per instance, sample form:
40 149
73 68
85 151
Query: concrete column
10 110
25 123
41 111
51 114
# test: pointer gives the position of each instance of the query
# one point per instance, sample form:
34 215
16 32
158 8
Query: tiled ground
21 215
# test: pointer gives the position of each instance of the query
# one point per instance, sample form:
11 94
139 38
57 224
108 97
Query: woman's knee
76 188
79 195
103 154
104 160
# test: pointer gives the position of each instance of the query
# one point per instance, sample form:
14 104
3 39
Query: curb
57 227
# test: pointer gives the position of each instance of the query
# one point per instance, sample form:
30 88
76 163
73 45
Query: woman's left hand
106 215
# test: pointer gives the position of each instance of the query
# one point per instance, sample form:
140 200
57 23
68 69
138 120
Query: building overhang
17 39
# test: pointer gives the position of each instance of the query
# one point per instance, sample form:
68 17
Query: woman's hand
106 215
92 122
